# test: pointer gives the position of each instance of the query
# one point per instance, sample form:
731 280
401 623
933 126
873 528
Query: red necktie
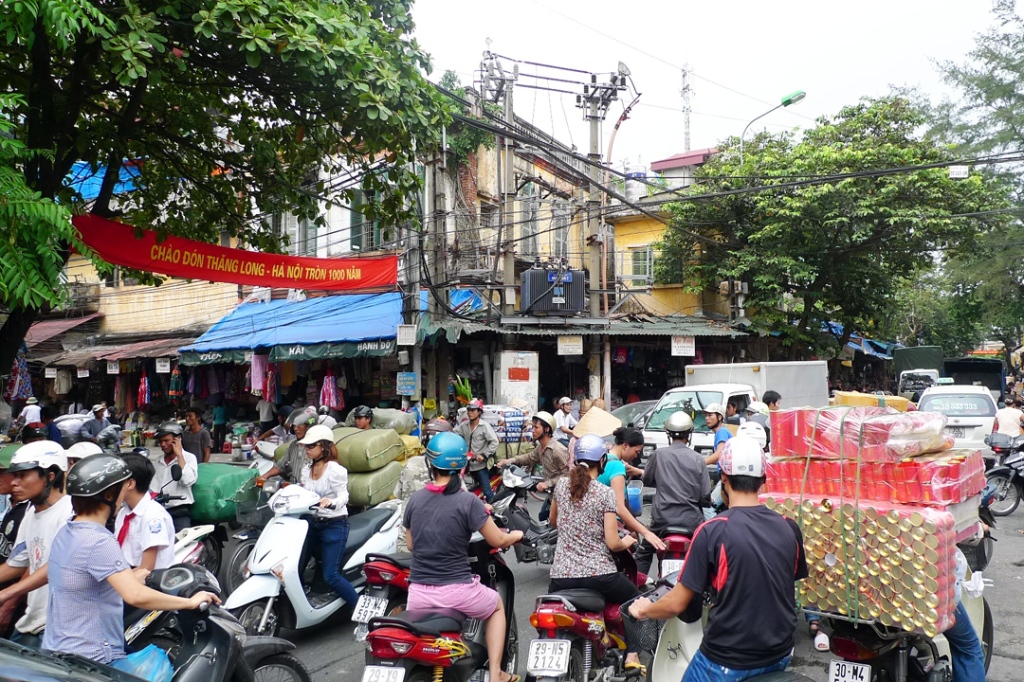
123 533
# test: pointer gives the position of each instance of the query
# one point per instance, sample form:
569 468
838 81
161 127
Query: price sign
83 372
685 346
163 365
50 372
405 383
113 367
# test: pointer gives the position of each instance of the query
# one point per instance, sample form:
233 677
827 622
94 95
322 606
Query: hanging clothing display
144 395
258 370
62 384
19 386
177 387
329 393
270 388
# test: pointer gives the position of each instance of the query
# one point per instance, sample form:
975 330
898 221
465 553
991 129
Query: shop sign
50 372
518 373
570 345
113 367
214 357
684 346
405 383
389 363
347 349
407 334
128 246
163 365
83 373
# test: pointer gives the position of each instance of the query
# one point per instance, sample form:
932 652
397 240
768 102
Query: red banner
188 259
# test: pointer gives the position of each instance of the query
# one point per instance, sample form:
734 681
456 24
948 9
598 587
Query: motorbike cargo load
360 450
215 491
373 487
383 418
413 447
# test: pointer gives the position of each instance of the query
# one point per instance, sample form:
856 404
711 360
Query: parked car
629 412
970 412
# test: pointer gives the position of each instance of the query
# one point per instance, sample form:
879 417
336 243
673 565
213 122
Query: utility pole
686 92
508 278
596 99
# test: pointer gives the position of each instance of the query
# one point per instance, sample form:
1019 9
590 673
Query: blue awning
87 181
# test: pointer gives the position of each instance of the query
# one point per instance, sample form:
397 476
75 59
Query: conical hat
598 422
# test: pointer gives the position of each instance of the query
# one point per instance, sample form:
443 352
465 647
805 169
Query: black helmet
33 431
362 411
141 451
94 474
303 415
172 428
284 411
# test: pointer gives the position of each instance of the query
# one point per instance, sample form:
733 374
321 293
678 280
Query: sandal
821 641
513 678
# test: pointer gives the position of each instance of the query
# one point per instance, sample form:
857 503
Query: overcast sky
745 55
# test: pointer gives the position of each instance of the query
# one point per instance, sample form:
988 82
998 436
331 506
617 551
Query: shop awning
677 325
152 348
47 329
327 327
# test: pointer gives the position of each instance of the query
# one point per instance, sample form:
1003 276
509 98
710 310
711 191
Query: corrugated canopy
47 329
673 325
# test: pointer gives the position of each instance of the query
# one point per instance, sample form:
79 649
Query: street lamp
791 98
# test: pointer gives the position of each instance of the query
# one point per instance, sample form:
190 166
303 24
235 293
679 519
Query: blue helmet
590 448
447 452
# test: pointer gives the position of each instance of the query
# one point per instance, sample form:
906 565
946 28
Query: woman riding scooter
584 511
328 527
440 519
89 576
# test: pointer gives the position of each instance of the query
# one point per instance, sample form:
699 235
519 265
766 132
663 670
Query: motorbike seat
362 527
402 559
423 622
678 530
584 599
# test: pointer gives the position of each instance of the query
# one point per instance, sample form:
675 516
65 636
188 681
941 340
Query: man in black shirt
747 560
10 610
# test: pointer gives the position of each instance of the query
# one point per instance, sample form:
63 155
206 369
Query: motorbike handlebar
317 507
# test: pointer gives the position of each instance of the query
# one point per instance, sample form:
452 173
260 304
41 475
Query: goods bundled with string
941 478
864 434
876 561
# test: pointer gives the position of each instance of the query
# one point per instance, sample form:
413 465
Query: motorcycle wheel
211 554
576 670
281 668
233 574
512 649
251 614
1007 494
987 634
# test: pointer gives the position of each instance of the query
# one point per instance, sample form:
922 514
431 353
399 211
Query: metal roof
679 325
153 348
47 329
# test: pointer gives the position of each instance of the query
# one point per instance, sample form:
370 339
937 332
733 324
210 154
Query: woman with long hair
629 443
439 520
585 514
328 527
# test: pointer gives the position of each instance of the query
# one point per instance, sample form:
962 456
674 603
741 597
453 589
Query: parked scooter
210 644
273 595
252 516
425 645
580 635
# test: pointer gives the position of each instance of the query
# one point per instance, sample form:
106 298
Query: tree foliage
232 109
463 139
822 248
934 309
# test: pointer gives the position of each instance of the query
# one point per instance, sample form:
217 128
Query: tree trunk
12 334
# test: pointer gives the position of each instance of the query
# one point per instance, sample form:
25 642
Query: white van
693 400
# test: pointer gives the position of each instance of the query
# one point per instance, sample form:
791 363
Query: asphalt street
331 653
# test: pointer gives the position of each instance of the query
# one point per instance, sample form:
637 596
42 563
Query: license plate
842 671
369 607
956 431
548 657
380 673
671 567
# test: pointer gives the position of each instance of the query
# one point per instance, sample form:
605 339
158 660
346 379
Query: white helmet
715 408
83 450
41 454
757 407
678 423
317 433
743 457
751 429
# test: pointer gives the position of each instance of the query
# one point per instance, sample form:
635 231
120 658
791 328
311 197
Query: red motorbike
430 646
386 592
579 632
670 560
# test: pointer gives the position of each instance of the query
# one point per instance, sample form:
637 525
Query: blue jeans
483 479
26 639
965 649
701 669
329 539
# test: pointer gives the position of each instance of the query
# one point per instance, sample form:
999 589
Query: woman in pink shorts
439 521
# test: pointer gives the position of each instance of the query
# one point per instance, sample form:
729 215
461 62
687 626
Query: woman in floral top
588 533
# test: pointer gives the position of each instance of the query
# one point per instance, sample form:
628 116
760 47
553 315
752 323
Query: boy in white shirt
143 527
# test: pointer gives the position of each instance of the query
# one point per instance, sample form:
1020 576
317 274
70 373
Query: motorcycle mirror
176 472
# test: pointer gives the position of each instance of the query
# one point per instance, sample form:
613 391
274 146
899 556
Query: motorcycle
1009 484
251 516
420 646
670 560
1002 446
387 576
580 635
509 509
209 540
273 595
210 644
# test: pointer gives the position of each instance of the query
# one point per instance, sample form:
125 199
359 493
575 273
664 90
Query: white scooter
273 595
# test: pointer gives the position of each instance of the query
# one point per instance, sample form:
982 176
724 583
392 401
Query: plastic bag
150 664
